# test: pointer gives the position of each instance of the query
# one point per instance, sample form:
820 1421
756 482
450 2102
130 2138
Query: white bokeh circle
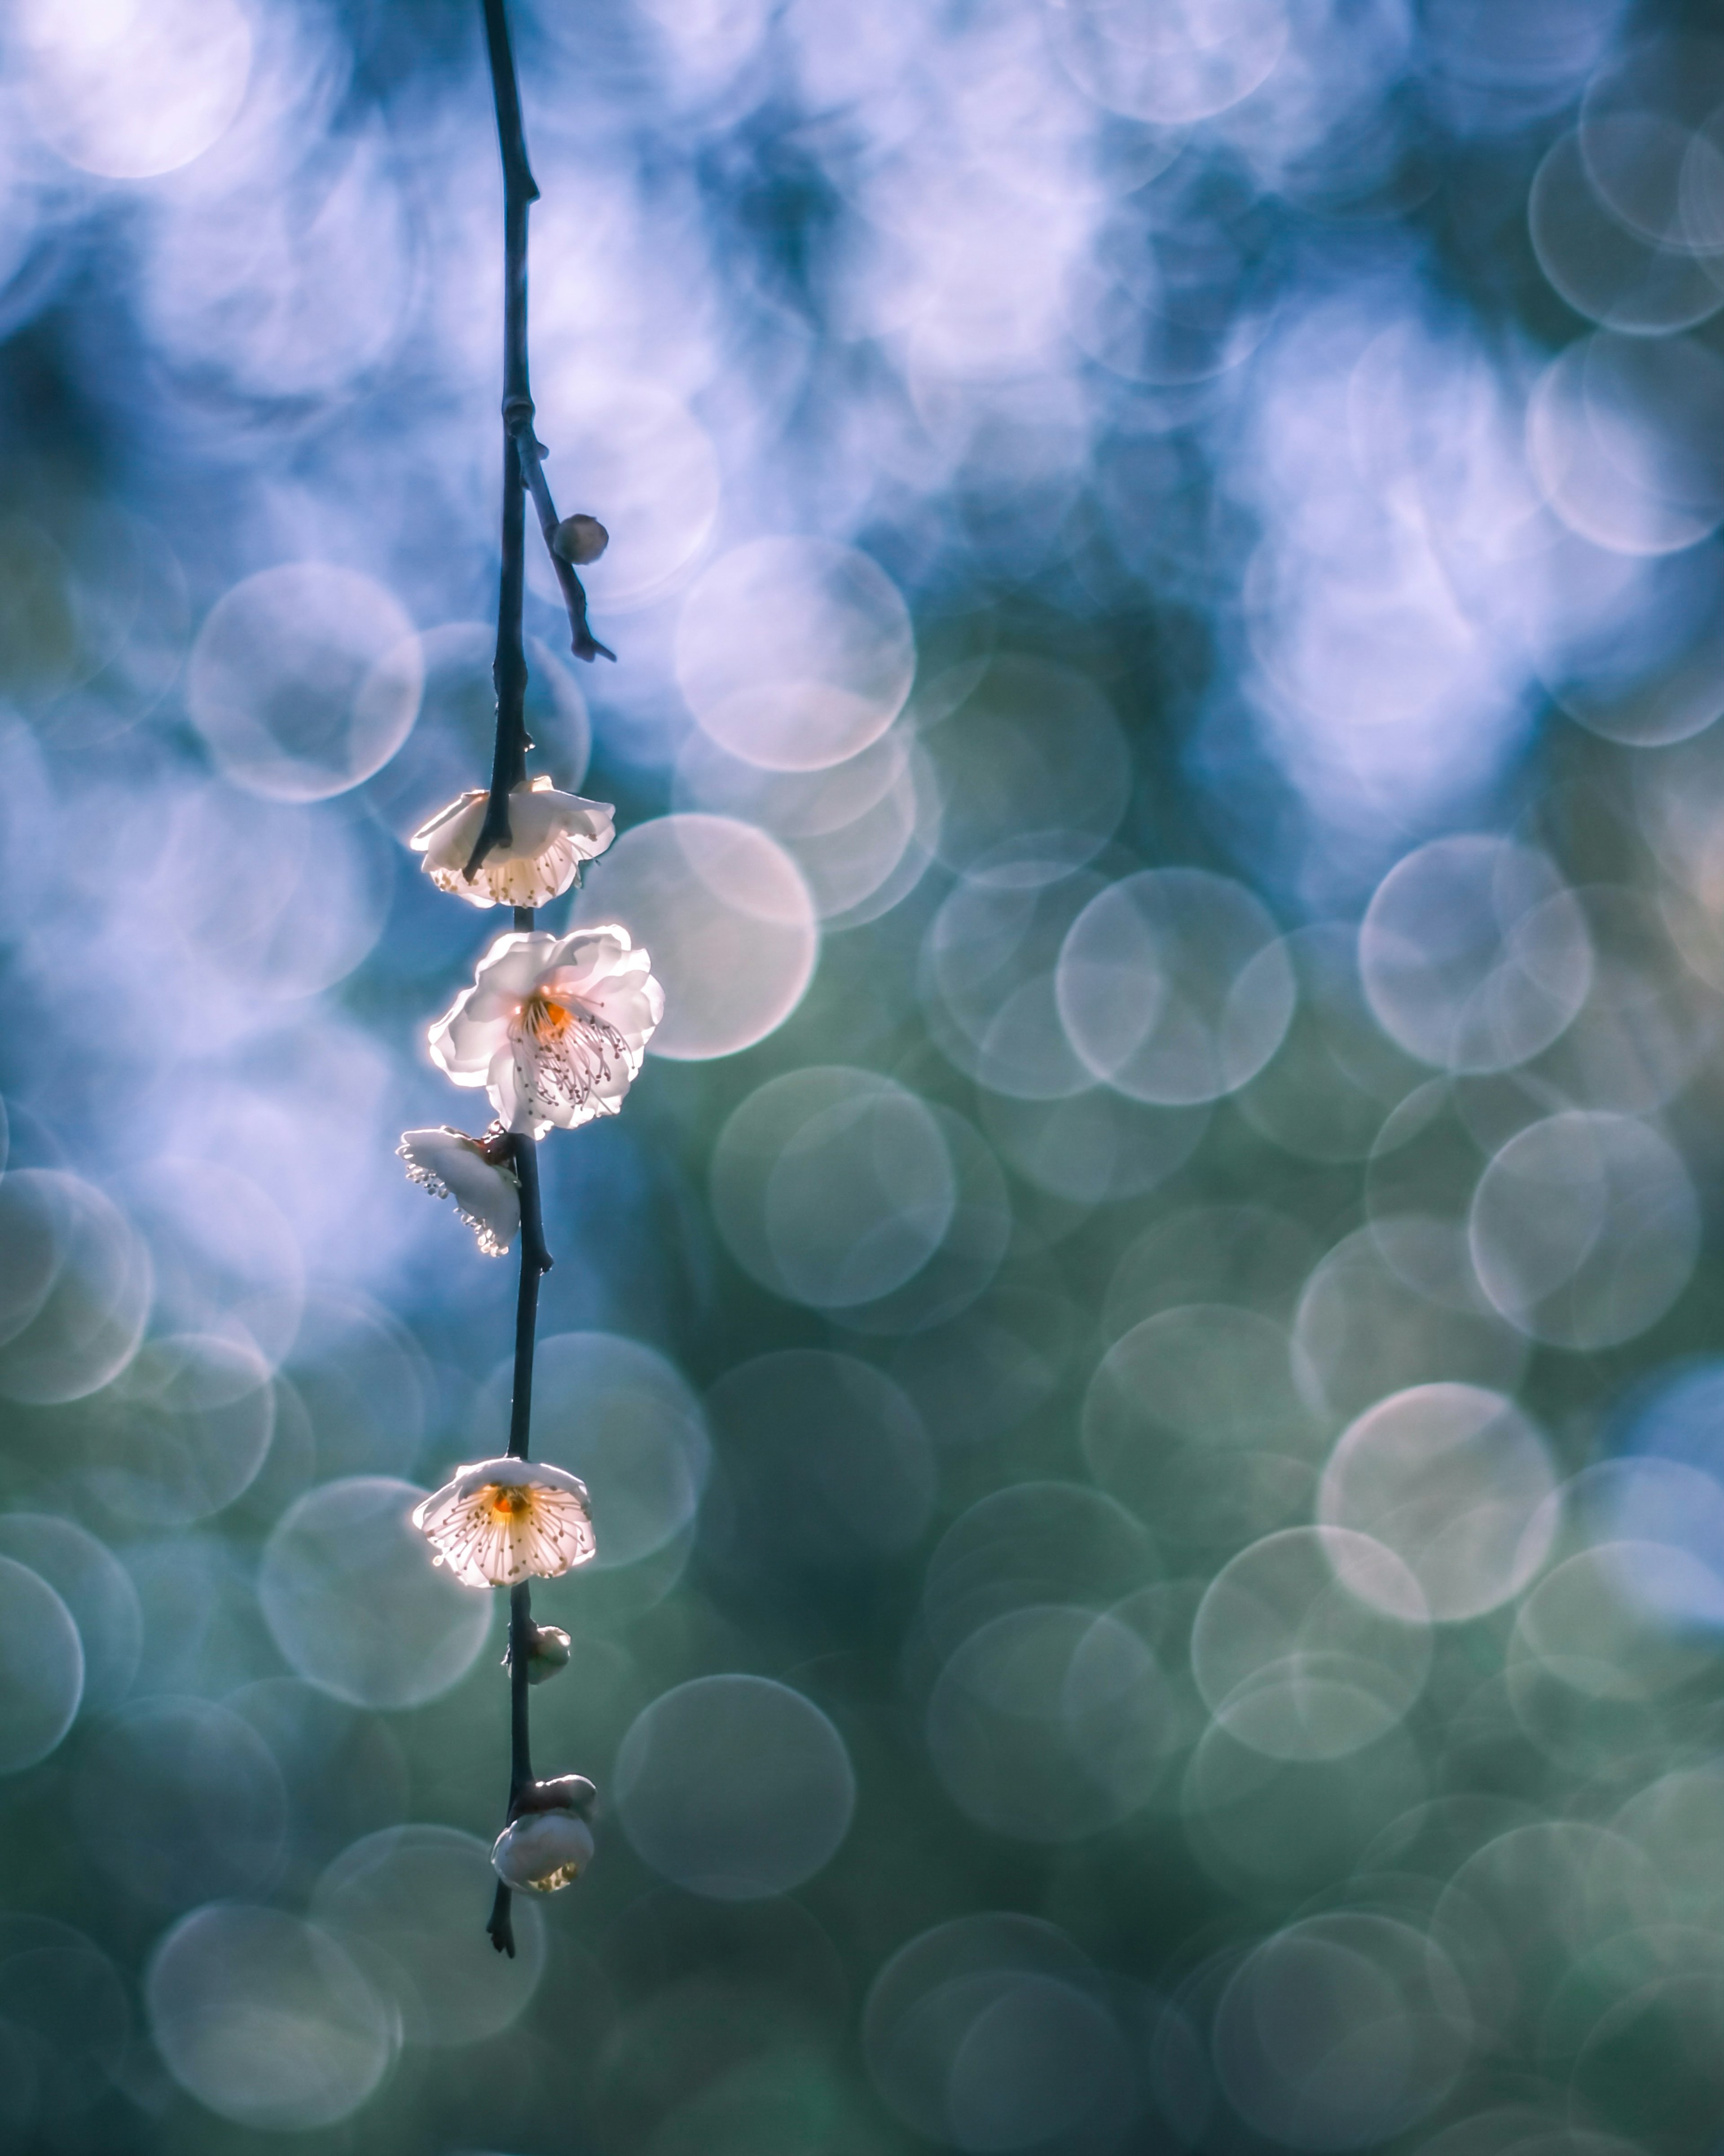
265 2021
1475 953
356 1604
1457 1482
795 653
1174 987
305 680
736 1787
727 918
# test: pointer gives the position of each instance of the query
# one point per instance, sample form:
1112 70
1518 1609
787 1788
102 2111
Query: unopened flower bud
579 539
562 1792
548 1653
543 1850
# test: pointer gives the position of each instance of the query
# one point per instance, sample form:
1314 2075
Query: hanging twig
522 469
507 769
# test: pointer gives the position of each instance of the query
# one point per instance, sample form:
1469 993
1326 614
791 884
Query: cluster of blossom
554 1029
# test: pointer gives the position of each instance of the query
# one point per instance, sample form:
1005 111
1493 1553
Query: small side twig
532 453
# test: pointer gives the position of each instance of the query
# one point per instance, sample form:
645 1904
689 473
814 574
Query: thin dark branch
522 471
534 1261
522 456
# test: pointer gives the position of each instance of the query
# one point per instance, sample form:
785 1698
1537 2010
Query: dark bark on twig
522 472
534 1261
522 453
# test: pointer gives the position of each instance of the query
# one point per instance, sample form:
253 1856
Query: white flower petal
551 835
486 1192
499 1522
555 1026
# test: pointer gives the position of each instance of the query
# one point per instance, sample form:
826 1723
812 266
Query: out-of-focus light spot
1590 1626
288 901
1342 2031
75 1287
1664 1520
825 1457
1475 955
95 1586
620 1416
1177 1389
1030 1546
1623 433
1614 276
1397 1304
1647 1028
1187 302
992 2033
1642 660
833 1186
735 1787
1311 1644
1326 1091
64 2006
1497 68
264 2020
363 1382
354 1604
1648 138
1585 1229
133 88
1248 1257
640 463
1030 761
795 654
728 920
41 1667
1185 62
1455 1481
1094 1147
286 282
177 1799
1040 2061
225 1260
304 681
988 962
985 1373
1174 987
1674 1822
402 1902
344 1773
1050 1722
181 1432
861 831
1255 1822
1681 1419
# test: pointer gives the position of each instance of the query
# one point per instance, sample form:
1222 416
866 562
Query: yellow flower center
509 1502
544 1021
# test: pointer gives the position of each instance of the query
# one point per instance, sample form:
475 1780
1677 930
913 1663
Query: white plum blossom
477 1173
555 1028
499 1522
551 835
543 1850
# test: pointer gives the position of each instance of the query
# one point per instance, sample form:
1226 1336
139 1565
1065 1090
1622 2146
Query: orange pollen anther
543 1020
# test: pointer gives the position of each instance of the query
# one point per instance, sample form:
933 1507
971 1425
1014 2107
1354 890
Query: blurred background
1147 1346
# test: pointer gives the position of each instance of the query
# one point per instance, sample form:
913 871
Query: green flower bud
580 539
